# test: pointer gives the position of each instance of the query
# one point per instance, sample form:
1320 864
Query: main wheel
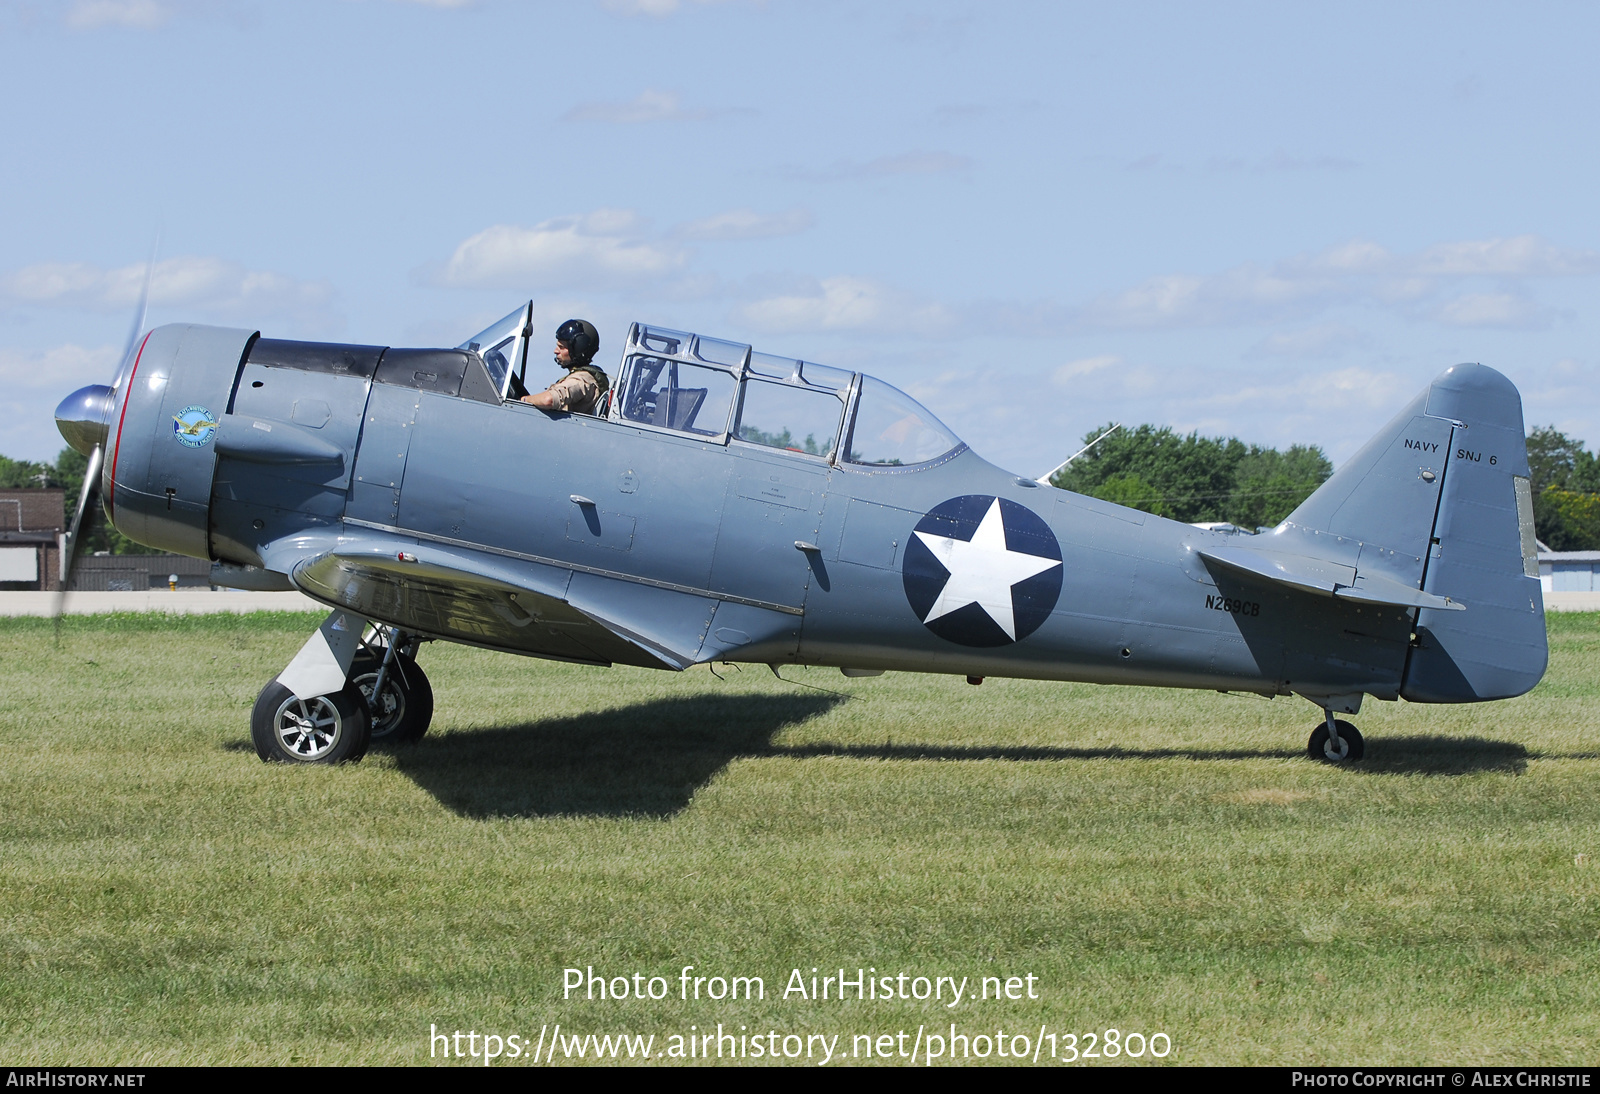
1351 746
325 729
404 710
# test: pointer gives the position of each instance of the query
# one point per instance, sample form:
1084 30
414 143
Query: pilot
585 384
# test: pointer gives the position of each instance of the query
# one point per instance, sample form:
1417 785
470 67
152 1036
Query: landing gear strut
398 695
1336 741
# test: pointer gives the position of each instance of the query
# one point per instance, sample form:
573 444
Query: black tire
1349 736
406 709
325 729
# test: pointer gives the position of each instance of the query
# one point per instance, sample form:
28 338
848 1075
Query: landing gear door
504 349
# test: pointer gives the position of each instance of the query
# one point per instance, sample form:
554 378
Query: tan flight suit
576 392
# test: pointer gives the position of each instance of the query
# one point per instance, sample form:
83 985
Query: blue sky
1267 220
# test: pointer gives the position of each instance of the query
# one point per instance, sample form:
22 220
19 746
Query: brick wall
34 510
32 520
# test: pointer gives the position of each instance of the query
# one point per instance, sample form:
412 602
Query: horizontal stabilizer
1323 578
1306 574
1378 589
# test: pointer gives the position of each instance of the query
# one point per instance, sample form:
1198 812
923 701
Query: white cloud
1433 285
903 163
603 250
61 370
32 383
1283 161
846 303
1484 309
221 289
1244 294
916 163
1338 409
1565 394
1279 161
650 105
140 14
1316 343
1069 374
1318 391
1355 272
745 224
1520 256
656 9
1359 256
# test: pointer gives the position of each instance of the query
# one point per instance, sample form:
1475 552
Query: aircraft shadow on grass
649 759
1434 755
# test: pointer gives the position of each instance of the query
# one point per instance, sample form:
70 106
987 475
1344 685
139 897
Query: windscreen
893 430
502 346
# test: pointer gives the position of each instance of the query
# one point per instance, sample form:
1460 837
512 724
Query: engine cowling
220 443
161 449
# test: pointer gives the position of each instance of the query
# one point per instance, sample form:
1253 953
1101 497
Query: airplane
730 505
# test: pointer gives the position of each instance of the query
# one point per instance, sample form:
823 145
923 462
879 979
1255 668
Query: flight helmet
580 338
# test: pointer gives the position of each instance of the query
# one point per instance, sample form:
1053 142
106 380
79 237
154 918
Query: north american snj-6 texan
729 505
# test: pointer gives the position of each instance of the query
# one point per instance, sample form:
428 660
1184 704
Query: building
139 573
32 530
31 526
1569 571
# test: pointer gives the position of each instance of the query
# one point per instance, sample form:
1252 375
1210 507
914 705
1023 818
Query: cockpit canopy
725 391
722 391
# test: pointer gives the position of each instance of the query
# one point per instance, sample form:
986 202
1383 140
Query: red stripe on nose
127 392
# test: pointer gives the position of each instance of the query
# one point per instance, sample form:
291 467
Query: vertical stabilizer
1483 548
1439 501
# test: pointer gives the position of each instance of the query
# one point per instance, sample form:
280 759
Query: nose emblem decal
194 427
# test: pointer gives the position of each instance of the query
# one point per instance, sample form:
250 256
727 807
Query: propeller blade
139 312
70 549
95 407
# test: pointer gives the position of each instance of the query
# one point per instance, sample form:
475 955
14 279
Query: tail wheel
1350 747
322 729
400 715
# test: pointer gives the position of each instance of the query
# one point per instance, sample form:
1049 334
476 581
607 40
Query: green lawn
1158 861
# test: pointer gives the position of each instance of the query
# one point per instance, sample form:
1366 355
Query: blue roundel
982 571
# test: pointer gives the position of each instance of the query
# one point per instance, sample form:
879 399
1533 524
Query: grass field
1159 861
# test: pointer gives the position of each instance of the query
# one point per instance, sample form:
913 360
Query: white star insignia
982 571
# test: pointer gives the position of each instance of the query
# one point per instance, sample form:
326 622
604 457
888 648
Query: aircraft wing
500 603
1324 578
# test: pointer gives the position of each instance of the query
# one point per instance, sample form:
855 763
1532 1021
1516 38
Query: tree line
1565 478
1193 478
